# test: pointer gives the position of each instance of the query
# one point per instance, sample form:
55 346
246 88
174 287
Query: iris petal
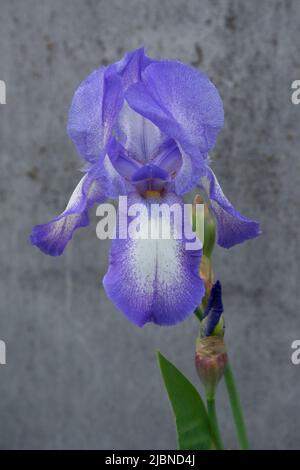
53 237
98 101
113 181
130 67
169 157
182 102
122 162
232 227
139 136
154 280
95 106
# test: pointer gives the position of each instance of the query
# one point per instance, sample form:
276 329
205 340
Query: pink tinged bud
210 360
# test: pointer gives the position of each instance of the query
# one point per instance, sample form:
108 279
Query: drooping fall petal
154 280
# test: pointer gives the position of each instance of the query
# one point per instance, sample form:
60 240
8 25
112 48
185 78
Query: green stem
211 409
236 408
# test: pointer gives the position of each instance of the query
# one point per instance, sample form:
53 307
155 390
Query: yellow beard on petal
150 193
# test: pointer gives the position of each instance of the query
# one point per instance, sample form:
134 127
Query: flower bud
208 327
210 360
212 323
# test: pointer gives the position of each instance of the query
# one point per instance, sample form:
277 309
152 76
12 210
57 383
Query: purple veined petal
93 112
53 236
182 102
232 227
145 145
121 161
98 101
138 135
153 280
113 182
169 157
184 174
188 174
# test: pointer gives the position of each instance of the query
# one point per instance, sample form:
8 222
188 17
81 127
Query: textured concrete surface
78 375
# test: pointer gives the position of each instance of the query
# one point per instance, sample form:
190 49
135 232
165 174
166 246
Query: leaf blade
192 423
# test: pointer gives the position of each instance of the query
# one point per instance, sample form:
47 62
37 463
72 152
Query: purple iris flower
144 128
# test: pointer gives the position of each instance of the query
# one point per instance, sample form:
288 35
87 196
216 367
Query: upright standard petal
94 109
130 67
53 237
138 135
154 280
98 101
232 227
182 102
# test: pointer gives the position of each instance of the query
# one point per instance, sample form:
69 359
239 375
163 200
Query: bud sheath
210 360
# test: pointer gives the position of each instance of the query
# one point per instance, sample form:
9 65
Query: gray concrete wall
78 375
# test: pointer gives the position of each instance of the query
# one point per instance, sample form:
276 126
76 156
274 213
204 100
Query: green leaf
193 429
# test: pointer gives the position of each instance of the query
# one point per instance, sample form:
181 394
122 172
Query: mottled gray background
78 374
